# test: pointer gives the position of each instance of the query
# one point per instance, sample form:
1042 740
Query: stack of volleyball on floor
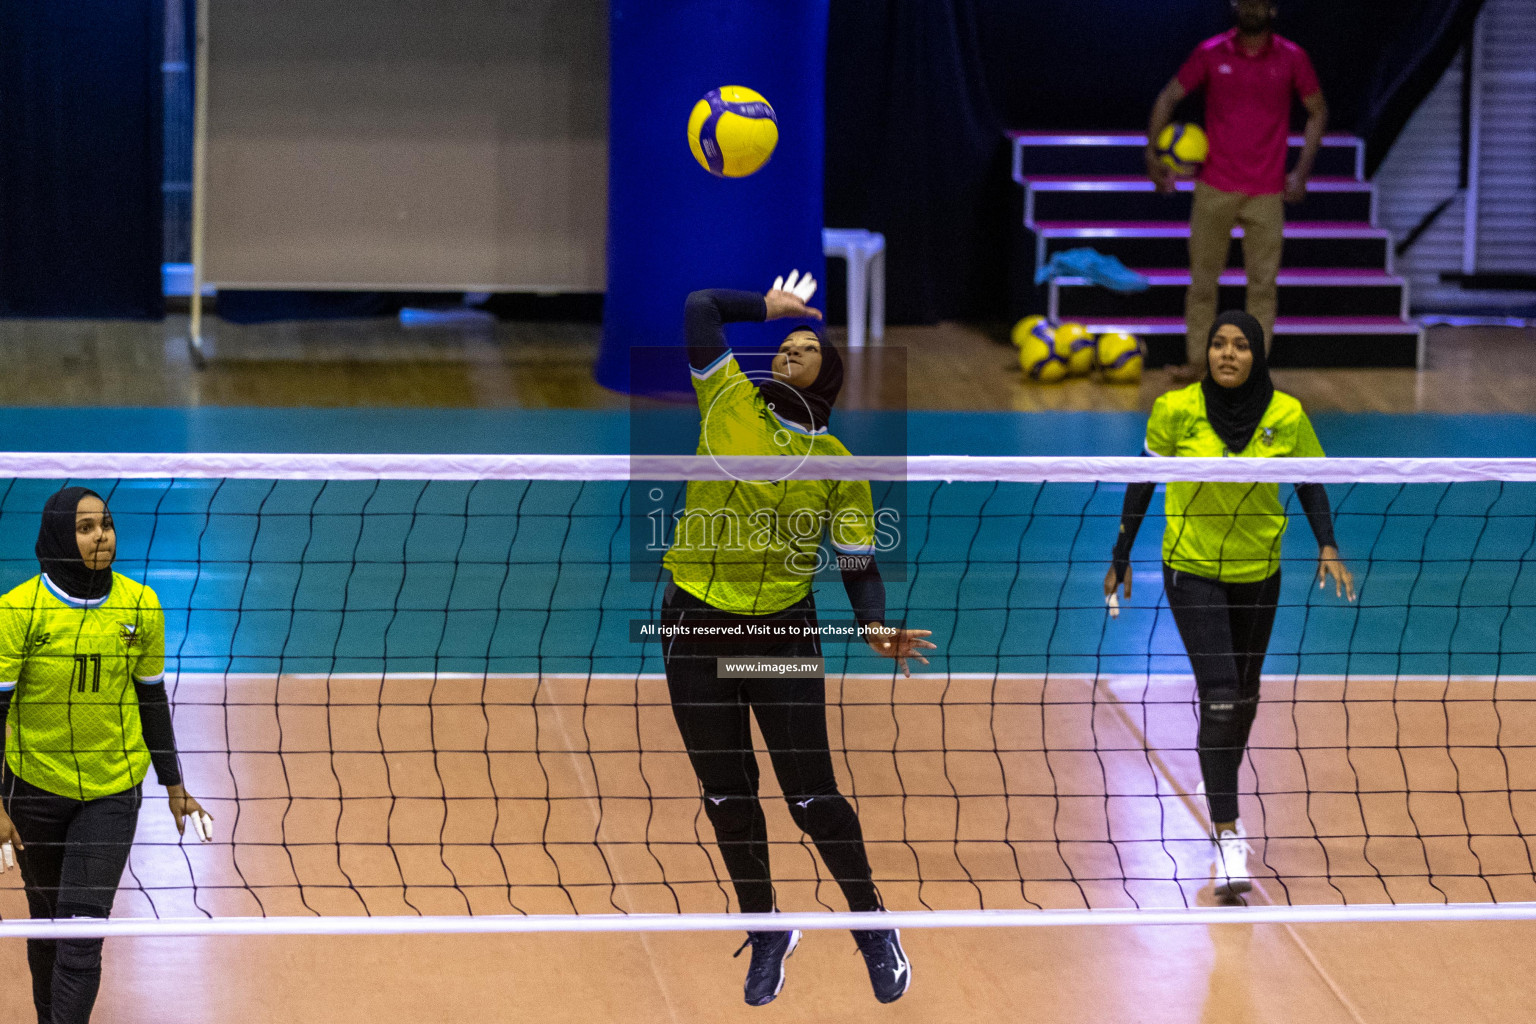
1049 354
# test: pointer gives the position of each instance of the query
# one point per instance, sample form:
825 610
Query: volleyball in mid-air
732 131
1076 342
1120 357
1184 148
1039 355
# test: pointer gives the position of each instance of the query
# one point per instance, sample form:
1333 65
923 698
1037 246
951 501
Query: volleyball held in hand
1120 357
1076 343
732 131
1184 148
1039 355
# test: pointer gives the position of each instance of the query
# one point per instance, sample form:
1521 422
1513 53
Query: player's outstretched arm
707 311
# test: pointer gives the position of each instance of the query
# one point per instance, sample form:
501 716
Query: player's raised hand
788 297
10 840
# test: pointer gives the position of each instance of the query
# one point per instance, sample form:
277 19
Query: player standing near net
72 640
755 565
1221 553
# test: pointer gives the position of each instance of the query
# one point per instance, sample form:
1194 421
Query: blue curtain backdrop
672 227
920 93
80 158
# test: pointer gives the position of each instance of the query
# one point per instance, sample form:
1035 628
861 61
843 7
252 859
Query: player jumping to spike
752 566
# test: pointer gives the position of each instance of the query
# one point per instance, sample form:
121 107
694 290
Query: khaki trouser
1210 236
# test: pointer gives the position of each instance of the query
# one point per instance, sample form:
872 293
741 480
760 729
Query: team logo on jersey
38 642
1267 436
130 634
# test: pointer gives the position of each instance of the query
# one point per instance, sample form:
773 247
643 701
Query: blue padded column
672 226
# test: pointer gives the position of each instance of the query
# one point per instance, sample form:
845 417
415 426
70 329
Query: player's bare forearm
1162 112
1312 135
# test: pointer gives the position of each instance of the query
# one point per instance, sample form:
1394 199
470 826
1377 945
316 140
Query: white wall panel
388 143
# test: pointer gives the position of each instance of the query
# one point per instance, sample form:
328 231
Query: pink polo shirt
1248 109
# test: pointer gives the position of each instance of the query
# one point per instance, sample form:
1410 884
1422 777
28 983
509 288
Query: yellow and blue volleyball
1029 325
1183 147
1120 357
1039 355
1076 343
732 131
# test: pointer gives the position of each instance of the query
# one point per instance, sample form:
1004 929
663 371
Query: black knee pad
819 813
1218 699
732 816
79 955
1225 717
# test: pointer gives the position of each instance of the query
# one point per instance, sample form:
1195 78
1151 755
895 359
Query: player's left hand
183 806
10 839
1329 564
1295 188
789 297
900 644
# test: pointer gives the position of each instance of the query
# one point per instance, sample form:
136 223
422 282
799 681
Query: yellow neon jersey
1226 531
754 548
74 717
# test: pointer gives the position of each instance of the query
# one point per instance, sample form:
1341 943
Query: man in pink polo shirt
1249 75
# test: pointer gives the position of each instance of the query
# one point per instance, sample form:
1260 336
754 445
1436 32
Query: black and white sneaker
765 974
889 971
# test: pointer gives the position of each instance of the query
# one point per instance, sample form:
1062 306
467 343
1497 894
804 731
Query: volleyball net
421 691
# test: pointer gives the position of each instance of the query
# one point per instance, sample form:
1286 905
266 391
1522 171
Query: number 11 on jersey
88 664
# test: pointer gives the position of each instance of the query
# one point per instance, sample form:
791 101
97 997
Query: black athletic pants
1225 628
712 715
74 858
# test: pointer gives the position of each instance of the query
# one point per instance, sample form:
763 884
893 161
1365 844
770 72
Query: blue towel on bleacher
1095 266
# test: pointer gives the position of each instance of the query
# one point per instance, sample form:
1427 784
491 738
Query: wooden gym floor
310 827
574 795
1318 973
548 366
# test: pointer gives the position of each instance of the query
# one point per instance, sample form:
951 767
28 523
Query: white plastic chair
865 253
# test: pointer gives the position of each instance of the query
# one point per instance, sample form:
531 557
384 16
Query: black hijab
58 552
811 407
1234 413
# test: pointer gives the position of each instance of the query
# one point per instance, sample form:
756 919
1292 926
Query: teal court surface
460 576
